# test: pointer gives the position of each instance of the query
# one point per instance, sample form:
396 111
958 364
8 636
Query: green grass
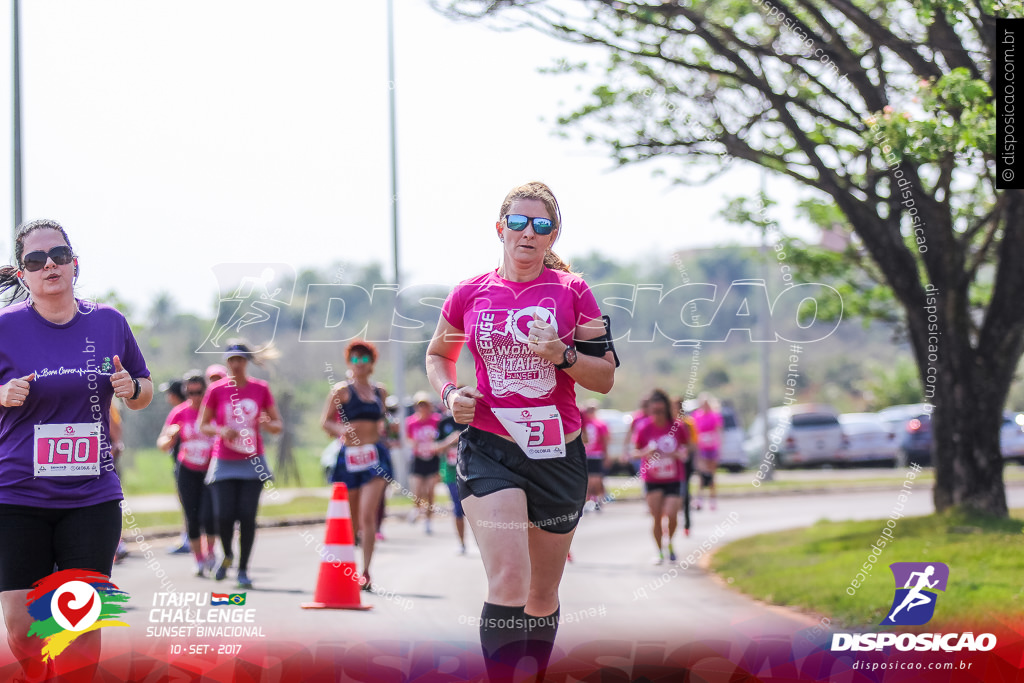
149 471
303 506
810 569
298 508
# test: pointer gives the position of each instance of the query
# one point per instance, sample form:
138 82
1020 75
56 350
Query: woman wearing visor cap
236 410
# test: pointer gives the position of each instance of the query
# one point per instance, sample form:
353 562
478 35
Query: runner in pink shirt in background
708 418
194 448
661 443
421 428
595 438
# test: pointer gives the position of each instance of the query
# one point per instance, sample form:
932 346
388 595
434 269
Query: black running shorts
556 488
425 467
669 488
33 540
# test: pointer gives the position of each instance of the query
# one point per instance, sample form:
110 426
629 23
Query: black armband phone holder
599 346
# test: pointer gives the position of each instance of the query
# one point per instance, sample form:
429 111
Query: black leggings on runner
237 499
195 502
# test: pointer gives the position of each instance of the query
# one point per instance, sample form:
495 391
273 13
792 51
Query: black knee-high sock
502 632
540 639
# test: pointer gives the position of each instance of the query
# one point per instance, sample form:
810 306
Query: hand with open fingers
543 340
121 380
15 392
463 404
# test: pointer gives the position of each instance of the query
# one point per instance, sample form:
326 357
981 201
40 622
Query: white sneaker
589 506
427 528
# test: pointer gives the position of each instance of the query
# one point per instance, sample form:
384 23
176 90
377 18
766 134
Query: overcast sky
172 137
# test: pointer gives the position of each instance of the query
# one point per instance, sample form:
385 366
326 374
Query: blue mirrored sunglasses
518 223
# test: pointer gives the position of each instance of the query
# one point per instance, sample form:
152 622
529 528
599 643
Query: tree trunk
965 447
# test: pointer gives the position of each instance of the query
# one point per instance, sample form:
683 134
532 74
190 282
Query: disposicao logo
914 605
68 603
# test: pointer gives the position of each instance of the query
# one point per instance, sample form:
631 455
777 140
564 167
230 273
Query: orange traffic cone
337 586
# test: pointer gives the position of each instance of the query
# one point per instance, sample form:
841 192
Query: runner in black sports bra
354 414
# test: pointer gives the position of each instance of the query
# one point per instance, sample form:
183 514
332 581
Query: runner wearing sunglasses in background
355 414
535 331
62 361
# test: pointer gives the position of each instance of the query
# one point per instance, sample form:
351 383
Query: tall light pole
763 395
16 115
398 342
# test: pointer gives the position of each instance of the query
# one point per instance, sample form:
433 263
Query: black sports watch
568 358
138 389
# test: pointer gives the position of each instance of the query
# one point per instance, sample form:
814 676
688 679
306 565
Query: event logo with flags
220 599
68 603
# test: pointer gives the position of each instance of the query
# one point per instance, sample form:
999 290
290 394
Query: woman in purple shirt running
61 363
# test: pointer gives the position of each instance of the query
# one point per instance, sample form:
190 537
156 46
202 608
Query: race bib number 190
67 450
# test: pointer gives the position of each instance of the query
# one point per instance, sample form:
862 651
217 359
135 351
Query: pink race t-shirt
195 447
493 312
597 438
708 425
670 439
238 408
423 434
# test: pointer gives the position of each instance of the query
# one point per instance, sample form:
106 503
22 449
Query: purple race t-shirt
73 363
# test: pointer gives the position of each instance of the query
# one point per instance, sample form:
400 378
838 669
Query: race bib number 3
67 450
538 431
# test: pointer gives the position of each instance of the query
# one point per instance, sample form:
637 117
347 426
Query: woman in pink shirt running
535 331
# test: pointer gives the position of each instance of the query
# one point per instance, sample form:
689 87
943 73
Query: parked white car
1011 437
869 440
618 424
732 456
804 434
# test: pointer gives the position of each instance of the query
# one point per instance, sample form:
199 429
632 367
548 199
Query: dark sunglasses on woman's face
518 223
356 360
196 392
35 260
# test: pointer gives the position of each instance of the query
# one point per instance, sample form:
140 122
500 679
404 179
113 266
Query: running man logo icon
251 303
914 603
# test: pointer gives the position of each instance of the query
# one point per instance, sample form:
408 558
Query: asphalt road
425 591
